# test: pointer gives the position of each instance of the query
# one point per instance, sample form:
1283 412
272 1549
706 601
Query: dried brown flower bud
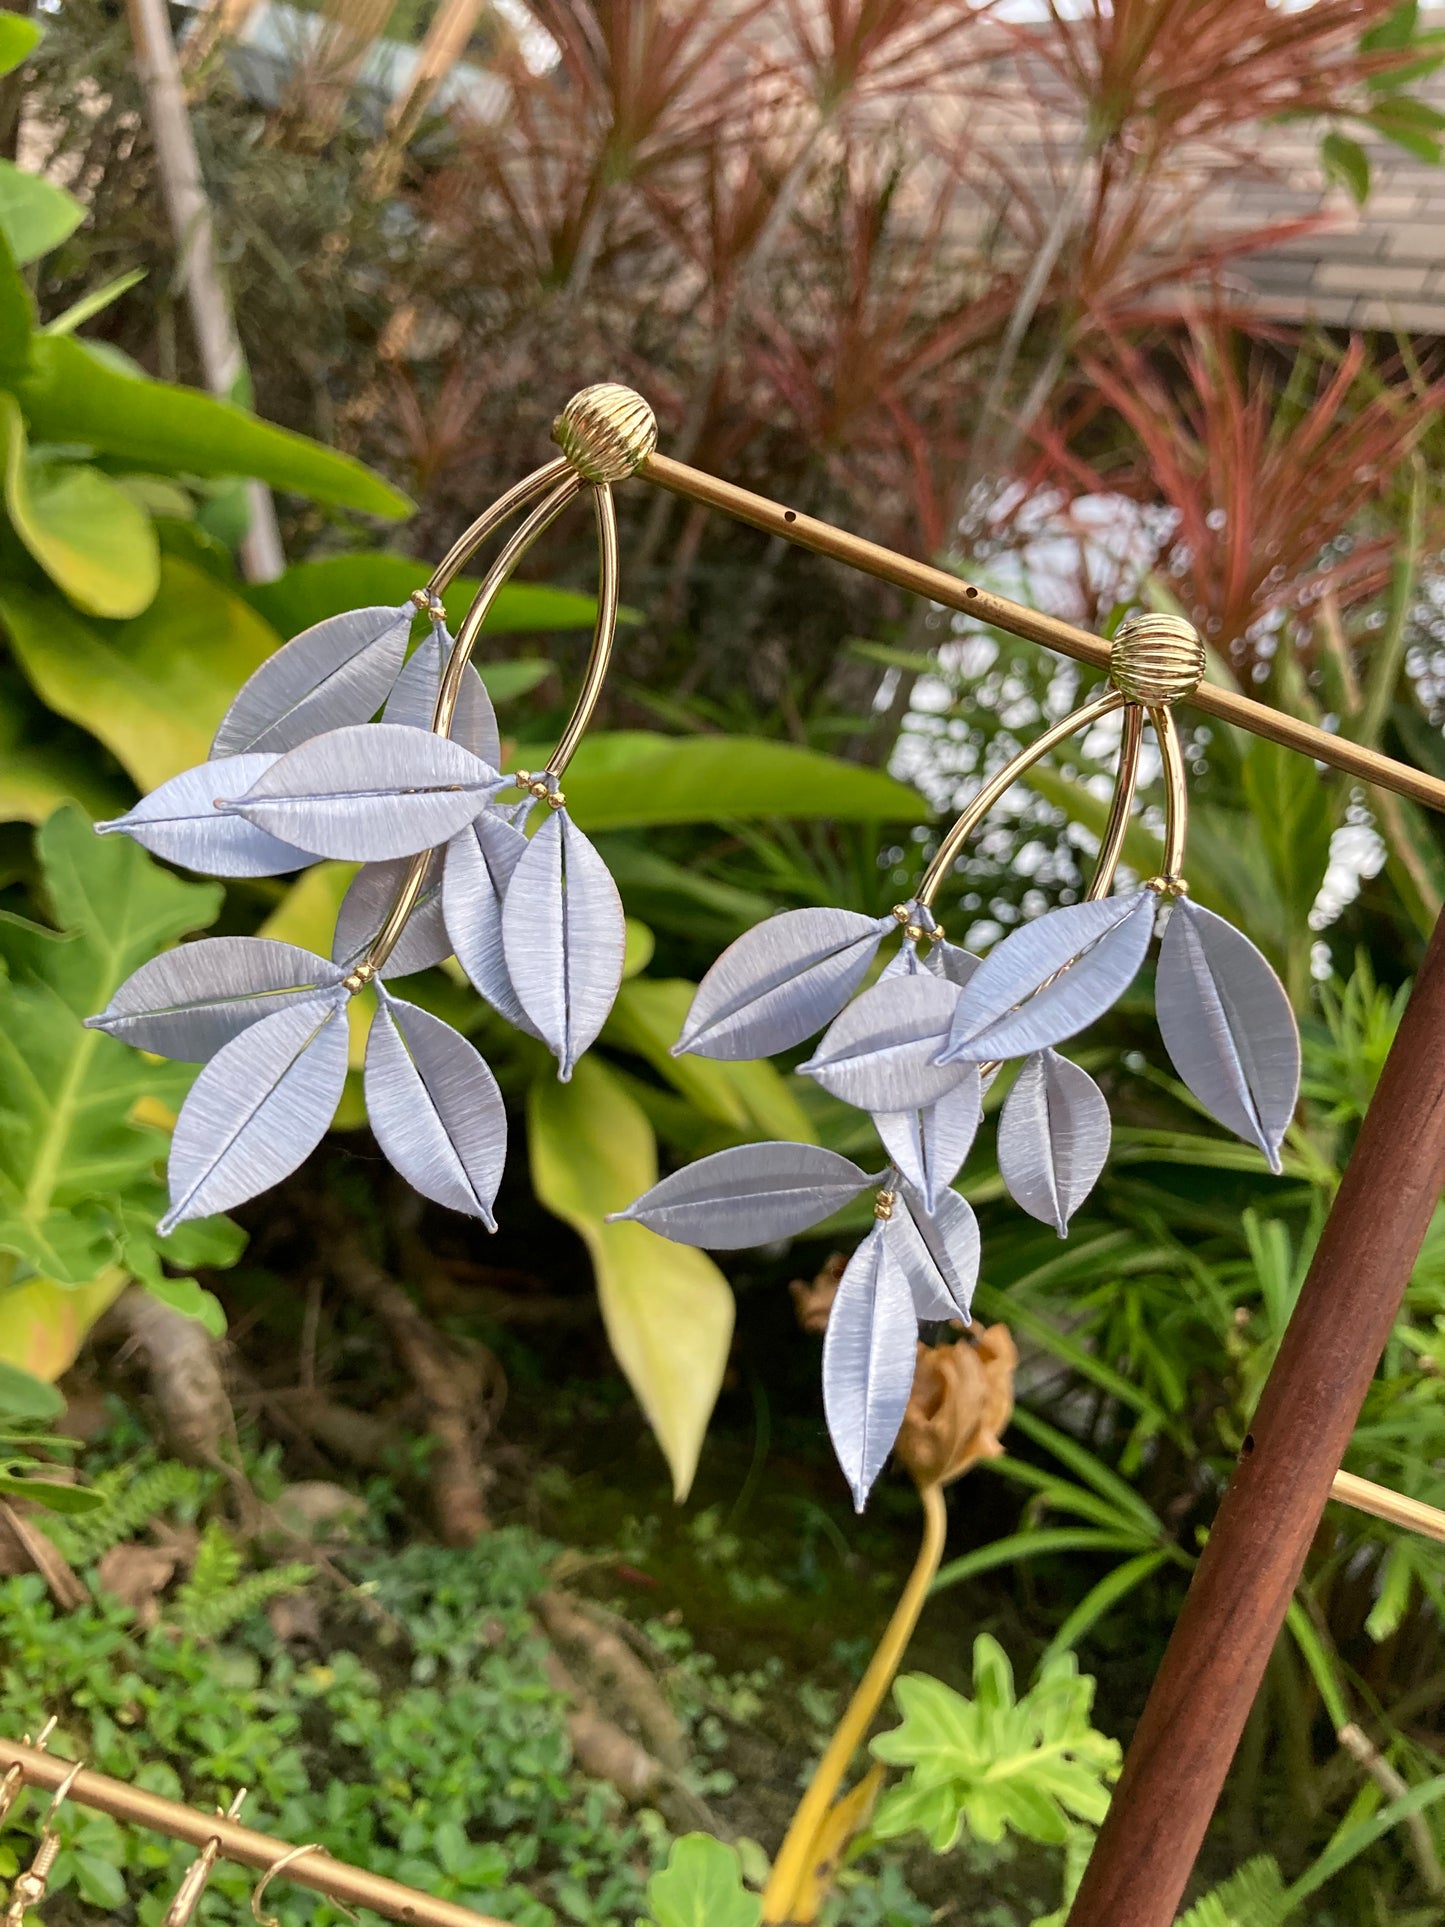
812 1302
962 1399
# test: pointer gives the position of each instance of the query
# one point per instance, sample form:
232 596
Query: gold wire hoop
198 1874
279 1866
30 1887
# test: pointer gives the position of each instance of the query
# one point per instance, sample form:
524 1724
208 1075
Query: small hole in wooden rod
1248 1446
970 591
790 515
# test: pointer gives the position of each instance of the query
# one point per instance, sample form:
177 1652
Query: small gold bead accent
538 788
914 932
557 800
421 598
1156 659
1167 886
358 979
902 913
883 1205
606 432
523 779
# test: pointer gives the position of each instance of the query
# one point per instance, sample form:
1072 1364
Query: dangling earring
199 1872
30 1886
13 1783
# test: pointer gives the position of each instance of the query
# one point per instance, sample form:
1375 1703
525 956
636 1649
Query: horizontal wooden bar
954 593
337 1879
1381 1503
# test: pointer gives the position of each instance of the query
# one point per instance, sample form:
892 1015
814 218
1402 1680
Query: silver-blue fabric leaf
905 962
1053 1138
949 1235
258 1109
189 1002
779 982
180 823
370 791
1228 1026
929 1143
435 1109
478 868
413 700
882 1052
338 671
563 936
951 962
1051 977
870 1352
749 1195
423 940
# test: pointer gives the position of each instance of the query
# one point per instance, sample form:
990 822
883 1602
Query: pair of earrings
198 1874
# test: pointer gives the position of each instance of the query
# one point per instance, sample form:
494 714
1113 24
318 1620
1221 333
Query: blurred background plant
939 272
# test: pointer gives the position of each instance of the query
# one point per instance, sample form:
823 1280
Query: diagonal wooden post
1237 1601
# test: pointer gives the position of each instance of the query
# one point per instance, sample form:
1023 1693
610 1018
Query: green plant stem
794 1859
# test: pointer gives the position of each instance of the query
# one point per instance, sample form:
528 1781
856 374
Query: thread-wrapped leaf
179 821
1051 977
564 938
1228 1026
780 982
946 1269
930 1142
336 672
369 792
1053 1138
435 1109
749 1195
881 1053
189 1003
479 863
258 1109
413 699
366 906
869 1355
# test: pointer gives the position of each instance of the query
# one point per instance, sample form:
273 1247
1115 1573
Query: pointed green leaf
90 536
35 215
75 395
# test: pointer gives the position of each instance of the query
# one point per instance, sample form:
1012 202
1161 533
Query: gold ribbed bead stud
606 432
1156 659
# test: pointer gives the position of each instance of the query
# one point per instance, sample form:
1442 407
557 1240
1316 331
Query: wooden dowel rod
1255 1553
1368 765
337 1879
1381 1503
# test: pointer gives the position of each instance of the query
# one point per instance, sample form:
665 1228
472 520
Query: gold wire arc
471 539
1126 782
541 517
1176 793
1002 781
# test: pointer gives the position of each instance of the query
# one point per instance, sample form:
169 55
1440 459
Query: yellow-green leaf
152 689
667 1308
751 1096
35 215
91 537
43 1325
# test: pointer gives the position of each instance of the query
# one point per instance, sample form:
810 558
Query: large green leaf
35 215
74 395
311 591
667 1308
626 779
701 1886
152 689
91 537
17 311
69 1148
19 38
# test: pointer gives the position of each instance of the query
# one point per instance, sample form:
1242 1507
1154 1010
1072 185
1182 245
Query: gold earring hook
193 1885
29 1888
12 1785
280 1866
